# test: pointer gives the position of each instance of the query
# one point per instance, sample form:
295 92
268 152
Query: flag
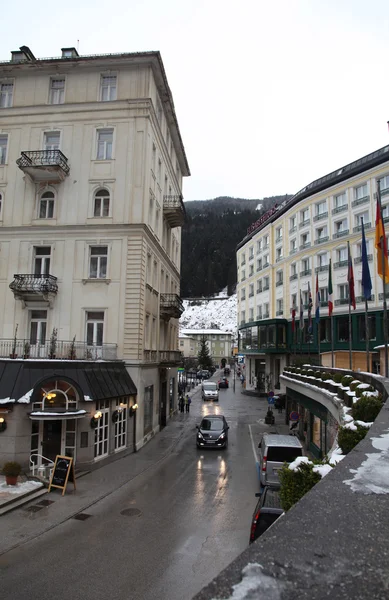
330 292
350 279
366 279
317 301
301 311
310 304
380 244
294 314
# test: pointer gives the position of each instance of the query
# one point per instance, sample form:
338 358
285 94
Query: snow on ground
210 314
7 492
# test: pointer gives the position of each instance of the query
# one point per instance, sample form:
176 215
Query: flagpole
383 283
332 342
318 339
367 333
350 341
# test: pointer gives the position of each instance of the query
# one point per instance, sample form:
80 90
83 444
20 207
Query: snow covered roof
205 332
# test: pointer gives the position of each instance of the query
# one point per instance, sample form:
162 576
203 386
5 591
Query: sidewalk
38 517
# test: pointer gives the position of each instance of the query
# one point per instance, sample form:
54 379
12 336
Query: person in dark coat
181 403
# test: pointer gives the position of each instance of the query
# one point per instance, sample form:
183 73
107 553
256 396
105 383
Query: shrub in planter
325 376
11 470
318 374
361 389
303 372
310 372
295 484
348 439
346 380
337 377
366 409
354 384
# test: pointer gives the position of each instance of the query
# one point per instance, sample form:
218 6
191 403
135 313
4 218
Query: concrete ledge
332 544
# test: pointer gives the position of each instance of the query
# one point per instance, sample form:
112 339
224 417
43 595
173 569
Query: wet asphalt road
184 520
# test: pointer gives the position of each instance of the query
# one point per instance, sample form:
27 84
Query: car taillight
264 463
254 526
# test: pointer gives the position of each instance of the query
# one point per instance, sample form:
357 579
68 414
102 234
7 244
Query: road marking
253 445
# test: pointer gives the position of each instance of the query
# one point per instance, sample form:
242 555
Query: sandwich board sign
63 472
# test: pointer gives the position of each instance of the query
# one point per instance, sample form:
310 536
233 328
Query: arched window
101 203
46 205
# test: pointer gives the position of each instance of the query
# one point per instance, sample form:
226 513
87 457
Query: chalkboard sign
63 472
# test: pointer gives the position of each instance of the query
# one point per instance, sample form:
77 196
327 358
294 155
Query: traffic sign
240 359
271 394
294 416
270 400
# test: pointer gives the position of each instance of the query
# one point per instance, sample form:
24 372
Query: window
361 191
251 315
322 260
259 313
293 301
266 283
42 255
342 254
98 262
259 264
266 241
251 252
259 286
243 316
38 327
280 277
280 307
321 208
359 248
108 88
384 183
305 240
340 226
342 326
340 200
243 294
278 254
46 205
364 216
159 111
51 140
243 275
362 327
3 148
57 91
266 261
251 290
1 204
293 269
94 328
292 223
305 265
251 271
266 310
321 232
293 245
323 294
104 144
279 234
259 246
343 291
101 203
304 215
6 94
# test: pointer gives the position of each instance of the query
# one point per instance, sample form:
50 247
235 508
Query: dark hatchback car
212 432
223 383
267 511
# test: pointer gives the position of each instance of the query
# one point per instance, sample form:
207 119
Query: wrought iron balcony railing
321 268
359 201
44 165
294 276
359 227
306 272
29 284
171 306
321 240
359 299
339 234
339 209
340 264
341 301
279 282
358 259
33 348
174 210
320 216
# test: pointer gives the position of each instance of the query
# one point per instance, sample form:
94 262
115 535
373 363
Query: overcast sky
269 95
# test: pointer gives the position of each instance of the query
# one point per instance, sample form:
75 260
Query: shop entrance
51 439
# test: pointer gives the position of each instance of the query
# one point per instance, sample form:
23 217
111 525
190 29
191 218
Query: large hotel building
282 254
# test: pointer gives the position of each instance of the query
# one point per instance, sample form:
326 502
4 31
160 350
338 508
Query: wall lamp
3 424
95 419
133 409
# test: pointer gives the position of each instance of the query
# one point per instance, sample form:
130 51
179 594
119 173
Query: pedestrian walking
181 403
187 403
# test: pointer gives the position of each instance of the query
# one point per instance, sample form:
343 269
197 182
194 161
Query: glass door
38 328
120 427
101 431
94 334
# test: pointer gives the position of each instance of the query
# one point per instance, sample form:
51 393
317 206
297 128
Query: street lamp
133 409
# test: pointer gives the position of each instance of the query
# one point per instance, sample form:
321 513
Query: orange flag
381 245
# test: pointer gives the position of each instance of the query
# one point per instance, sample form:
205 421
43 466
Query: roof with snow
205 332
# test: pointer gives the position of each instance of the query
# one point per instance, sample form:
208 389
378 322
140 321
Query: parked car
275 450
210 391
266 512
212 432
223 383
227 370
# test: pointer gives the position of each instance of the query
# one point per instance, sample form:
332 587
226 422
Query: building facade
287 250
91 209
219 343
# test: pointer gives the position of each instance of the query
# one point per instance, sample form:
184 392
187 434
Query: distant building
188 346
219 342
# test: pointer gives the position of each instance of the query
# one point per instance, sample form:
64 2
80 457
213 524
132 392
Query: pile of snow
219 314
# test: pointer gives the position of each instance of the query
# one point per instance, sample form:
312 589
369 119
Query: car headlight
222 436
200 435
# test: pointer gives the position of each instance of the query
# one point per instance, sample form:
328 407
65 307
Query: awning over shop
57 416
95 380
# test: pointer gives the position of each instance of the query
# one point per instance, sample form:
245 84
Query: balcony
305 245
306 273
251 294
266 264
359 201
279 282
34 287
174 211
259 290
339 209
44 166
266 315
340 264
321 268
293 229
170 358
279 313
341 301
304 223
360 299
359 227
293 277
171 306
358 259
63 350
266 287
292 251
279 239
321 240
320 216
340 234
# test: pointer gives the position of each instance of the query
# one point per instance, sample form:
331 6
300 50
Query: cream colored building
188 346
91 170
219 343
283 253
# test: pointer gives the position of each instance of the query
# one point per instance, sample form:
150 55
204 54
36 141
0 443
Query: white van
209 391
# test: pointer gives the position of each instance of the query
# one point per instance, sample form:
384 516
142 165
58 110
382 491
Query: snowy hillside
210 314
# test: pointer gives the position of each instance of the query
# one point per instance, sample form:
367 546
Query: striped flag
294 314
380 243
301 311
330 292
350 279
317 300
366 279
310 304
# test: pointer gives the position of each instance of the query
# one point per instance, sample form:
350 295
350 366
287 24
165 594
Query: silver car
275 450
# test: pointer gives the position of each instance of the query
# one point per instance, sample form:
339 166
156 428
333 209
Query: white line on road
253 445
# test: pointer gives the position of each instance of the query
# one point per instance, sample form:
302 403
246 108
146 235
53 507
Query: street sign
240 359
294 416
270 400
180 369
271 394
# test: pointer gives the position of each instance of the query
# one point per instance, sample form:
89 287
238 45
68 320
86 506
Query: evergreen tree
203 356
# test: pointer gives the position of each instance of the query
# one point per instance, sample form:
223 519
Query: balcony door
38 329
94 333
52 140
42 256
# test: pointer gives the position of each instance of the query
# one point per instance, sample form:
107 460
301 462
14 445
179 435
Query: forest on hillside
210 235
